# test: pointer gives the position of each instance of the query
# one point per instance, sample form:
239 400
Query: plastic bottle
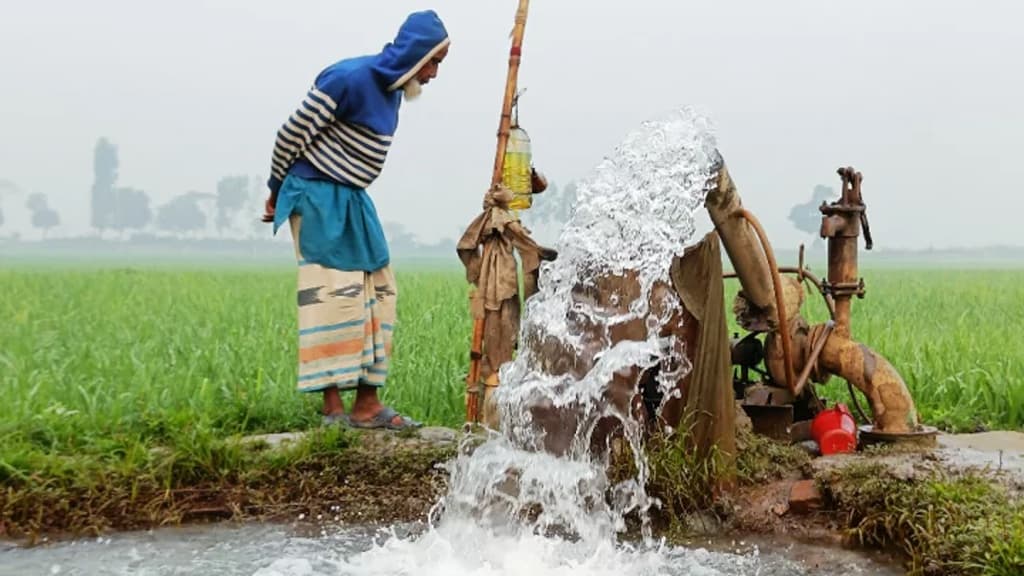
516 175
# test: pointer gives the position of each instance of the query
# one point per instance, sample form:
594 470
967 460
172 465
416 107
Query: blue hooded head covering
343 129
420 38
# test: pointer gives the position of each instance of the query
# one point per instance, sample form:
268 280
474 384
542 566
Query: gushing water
633 215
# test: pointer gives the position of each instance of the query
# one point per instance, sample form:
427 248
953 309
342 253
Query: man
326 155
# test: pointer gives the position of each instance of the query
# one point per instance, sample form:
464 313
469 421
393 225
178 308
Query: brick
804 497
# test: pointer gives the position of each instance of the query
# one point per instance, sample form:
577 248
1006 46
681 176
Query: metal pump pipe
835 352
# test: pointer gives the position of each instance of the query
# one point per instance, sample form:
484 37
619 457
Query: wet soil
395 478
386 478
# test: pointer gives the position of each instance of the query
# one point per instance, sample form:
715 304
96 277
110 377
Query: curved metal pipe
807 275
783 327
869 371
722 203
819 344
836 352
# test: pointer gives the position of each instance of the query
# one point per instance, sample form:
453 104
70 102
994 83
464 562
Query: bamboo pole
511 85
473 392
473 395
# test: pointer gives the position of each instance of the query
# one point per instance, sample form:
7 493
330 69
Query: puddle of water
997 451
455 550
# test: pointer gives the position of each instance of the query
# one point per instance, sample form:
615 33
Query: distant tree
397 235
254 207
544 206
400 240
806 217
7 187
43 216
232 195
554 205
115 208
566 201
183 213
131 210
550 211
37 202
104 199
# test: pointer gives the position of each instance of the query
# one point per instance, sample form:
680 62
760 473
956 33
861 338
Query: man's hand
268 209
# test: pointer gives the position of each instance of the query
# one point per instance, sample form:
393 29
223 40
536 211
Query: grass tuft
944 524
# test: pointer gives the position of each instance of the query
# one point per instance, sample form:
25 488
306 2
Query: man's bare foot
334 408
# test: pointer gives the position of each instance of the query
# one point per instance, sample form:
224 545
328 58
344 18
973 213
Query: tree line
122 209
119 208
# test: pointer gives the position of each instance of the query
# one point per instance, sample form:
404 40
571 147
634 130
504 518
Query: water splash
632 217
545 475
458 548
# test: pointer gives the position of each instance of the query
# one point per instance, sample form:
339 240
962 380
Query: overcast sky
924 97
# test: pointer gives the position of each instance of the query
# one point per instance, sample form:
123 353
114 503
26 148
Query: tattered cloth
486 250
492 269
710 411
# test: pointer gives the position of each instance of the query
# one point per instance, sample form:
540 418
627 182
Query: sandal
335 419
385 419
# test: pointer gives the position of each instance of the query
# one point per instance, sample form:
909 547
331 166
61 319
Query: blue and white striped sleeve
316 112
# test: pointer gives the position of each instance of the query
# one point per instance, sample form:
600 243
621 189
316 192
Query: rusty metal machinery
794 353
773 363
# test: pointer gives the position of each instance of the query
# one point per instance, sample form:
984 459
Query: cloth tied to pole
487 248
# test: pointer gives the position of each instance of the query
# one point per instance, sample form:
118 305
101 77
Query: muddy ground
997 455
396 478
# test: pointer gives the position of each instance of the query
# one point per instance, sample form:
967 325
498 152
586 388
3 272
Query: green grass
99 366
330 473
943 524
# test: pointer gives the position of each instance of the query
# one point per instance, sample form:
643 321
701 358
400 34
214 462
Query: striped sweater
343 128
343 151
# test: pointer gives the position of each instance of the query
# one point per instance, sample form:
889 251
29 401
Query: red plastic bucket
835 430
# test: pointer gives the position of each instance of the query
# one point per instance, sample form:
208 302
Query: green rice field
99 364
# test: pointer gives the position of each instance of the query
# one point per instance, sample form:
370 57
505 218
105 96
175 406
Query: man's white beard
412 89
